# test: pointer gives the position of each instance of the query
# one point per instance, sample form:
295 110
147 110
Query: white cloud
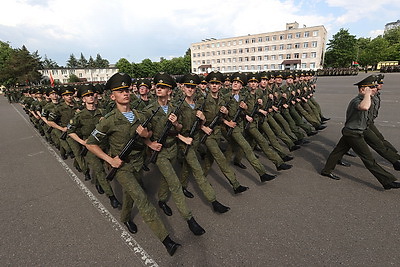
375 33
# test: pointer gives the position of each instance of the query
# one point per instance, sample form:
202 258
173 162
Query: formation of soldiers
385 69
118 129
338 71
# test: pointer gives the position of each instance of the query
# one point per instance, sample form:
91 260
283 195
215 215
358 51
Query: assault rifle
253 112
195 125
123 155
163 137
236 116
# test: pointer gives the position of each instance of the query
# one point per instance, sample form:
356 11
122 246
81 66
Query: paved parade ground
50 216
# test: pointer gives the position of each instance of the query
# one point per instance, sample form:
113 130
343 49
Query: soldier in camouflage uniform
117 127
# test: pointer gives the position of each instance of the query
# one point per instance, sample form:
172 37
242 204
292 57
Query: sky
137 30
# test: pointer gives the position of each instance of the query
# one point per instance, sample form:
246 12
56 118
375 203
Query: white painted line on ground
143 256
34 154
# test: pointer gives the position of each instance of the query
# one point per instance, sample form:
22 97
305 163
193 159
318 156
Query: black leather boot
187 193
195 227
114 202
99 189
218 207
170 245
167 210
240 189
132 227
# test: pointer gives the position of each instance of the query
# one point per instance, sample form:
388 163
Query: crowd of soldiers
391 68
117 129
338 71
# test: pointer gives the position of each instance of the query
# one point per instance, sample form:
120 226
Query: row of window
257 58
258 39
311 65
313 44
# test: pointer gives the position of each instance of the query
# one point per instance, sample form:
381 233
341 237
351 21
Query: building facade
61 75
293 48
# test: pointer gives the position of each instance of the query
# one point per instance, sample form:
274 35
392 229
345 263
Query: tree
341 50
123 65
72 62
73 78
48 63
393 37
19 66
101 63
375 51
82 62
91 63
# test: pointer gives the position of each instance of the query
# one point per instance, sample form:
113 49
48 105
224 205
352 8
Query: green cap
119 81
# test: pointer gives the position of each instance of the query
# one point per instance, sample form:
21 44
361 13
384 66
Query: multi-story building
392 25
61 75
293 48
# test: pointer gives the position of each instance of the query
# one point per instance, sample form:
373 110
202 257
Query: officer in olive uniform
117 127
167 152
81 126
144 98
237 103
192 119
214 110
353 137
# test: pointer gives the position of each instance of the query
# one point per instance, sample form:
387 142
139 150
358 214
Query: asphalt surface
51 217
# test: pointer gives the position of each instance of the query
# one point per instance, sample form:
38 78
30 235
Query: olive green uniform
118 130
353 137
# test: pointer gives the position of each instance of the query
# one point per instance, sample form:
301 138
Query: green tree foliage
376 50
91 63
101 63
341 49
73 78
48 63
18 66
124 65
82 62
72 62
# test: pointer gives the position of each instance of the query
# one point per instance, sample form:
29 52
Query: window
246 67
280 56
259 49
253 67
281 47
80 75
213 53
297 35
259 58
234 68
234 59
303 65
223 60
273 57
234 51
240 59
304 55
259 67
240 42
240 67
198 54
208 61
208 53
273 47
259 39
246 58
223 52
265 67
281 37
306 34
315 33
223 69
290 36
208 45
253 49
272 66
194 54
296 55
212 61
240 50
266 48
229 43
312 65
313 54
314 44
229 60
265 57
218 61
305 45
266 38
253 58
229 68
223 43
280 67
203 62
246 41
234 42
212 45
253 40
274 38
247 50
297 45
289 46
288 56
